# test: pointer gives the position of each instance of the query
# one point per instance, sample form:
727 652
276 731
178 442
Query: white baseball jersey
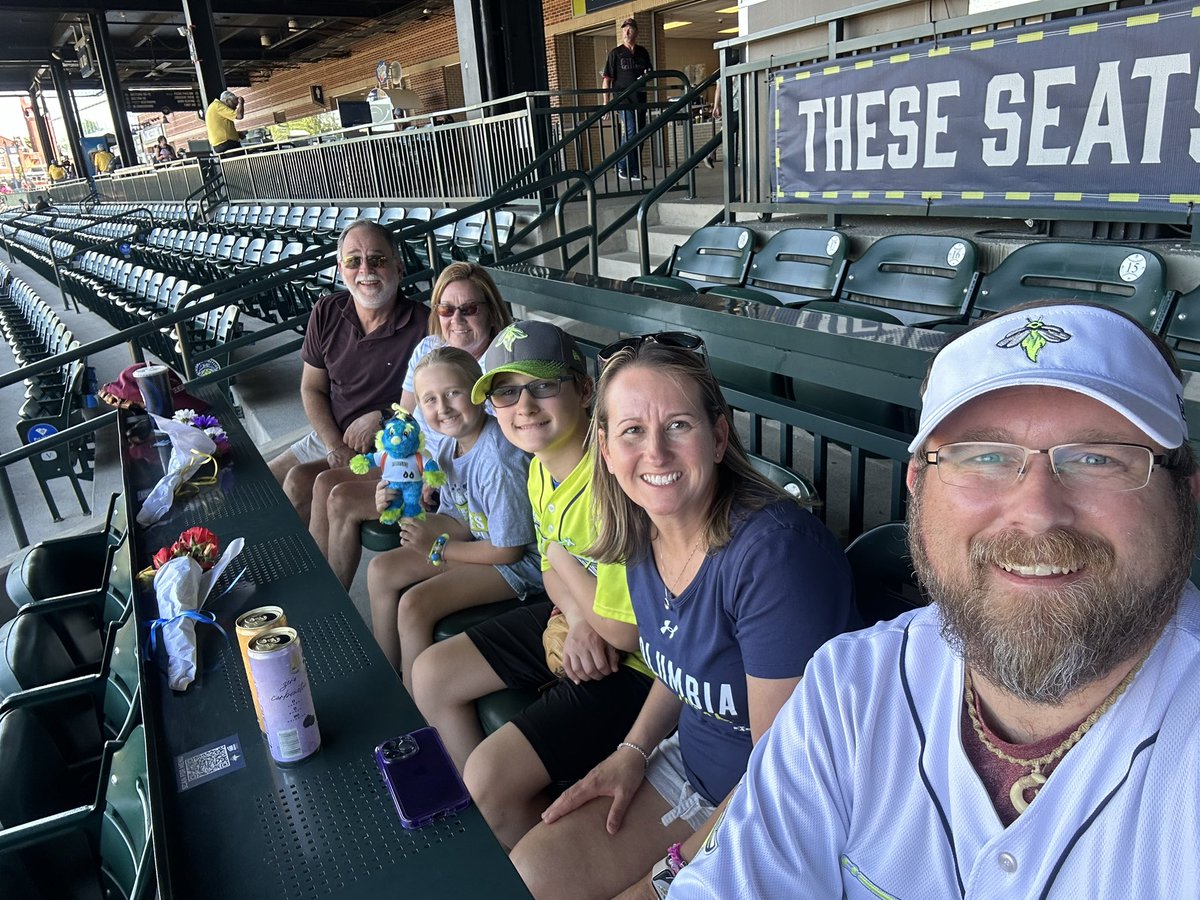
862 788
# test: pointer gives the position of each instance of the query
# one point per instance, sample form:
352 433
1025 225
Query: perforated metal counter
230 823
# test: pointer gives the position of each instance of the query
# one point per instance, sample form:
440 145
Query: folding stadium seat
1182 330
884 582
370 214
345 216
102 846
795 266
1131 279
392 215
291 224
716 254
327 222
921 279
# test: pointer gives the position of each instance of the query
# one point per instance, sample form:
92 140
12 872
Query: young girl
480 546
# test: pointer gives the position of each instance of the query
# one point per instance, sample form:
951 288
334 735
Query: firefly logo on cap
510 336
1032 337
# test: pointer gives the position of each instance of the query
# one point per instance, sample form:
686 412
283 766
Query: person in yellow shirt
102 160
220 116
55 171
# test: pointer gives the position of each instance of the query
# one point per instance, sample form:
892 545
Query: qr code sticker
207 763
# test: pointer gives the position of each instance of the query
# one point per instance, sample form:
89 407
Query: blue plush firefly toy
400 453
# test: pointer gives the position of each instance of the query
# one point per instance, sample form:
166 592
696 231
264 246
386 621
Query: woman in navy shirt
734 585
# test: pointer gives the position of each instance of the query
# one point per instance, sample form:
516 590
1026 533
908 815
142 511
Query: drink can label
281 682
247 625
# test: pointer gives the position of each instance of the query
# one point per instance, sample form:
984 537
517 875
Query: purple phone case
421 777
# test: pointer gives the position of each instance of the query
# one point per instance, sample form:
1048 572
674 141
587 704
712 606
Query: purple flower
205 421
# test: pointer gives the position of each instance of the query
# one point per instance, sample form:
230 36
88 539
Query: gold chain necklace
1035 779
666 587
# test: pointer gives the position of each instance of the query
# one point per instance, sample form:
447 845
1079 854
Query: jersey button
550 507
1008 862
549 529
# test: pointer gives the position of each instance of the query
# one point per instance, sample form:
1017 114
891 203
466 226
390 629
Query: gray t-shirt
487 489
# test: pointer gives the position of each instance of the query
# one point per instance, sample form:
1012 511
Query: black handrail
642 135
643 208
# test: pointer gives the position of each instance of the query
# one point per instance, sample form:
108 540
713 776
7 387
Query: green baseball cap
536 349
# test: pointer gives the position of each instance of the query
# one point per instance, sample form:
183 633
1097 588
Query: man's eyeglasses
682 340
1104 468
509 394
447 310
375 261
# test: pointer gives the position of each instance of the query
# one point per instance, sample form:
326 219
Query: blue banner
1099 112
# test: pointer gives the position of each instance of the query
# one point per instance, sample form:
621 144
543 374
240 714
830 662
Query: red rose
164 555
200 544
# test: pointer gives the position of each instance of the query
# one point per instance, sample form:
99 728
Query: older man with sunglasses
355 354
1035 732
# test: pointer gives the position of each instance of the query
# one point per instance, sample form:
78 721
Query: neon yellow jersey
563 513
613 602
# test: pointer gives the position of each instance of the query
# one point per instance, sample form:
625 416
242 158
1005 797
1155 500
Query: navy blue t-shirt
759 606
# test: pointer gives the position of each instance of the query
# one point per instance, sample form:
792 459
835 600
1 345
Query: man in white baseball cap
1034 732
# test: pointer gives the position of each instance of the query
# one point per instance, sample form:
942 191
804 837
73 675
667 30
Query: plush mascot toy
400 453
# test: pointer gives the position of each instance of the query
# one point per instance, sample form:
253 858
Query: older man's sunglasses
681 340
375 261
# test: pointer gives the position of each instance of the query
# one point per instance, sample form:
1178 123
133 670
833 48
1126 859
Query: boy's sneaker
635 177
708 161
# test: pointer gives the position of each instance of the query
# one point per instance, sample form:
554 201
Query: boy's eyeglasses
681 340
509 394
447 310
375 261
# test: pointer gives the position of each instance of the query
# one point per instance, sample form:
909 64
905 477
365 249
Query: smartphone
421 777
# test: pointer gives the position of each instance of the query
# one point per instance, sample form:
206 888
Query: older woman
734 585
466 312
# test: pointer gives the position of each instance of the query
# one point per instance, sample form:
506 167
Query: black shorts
571 727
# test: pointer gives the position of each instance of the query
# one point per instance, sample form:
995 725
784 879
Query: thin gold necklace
667 595
1035 779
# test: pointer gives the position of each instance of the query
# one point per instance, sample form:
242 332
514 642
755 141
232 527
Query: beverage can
281 683
155 384
247 625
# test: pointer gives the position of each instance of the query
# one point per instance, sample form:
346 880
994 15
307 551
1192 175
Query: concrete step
687 214
624 264
661 240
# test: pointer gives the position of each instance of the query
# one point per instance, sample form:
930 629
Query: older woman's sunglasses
681 340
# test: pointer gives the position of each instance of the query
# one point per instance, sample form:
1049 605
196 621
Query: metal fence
459 162
454 163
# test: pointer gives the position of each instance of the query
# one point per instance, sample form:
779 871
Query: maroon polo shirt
366 371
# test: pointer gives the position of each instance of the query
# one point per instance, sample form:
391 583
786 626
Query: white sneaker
635 177
622 175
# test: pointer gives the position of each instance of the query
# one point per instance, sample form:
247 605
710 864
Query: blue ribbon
157 625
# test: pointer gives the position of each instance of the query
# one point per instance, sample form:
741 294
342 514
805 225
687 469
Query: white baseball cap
1086 349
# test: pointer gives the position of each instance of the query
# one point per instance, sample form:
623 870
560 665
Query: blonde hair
624 529
498 314
467 365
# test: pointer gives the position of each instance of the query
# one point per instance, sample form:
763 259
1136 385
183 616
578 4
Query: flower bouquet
184 574
210 425
198 543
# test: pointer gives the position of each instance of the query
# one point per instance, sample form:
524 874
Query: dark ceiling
255 37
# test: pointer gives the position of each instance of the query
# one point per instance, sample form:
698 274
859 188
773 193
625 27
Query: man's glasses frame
1104 467
510 394
374 260
680 340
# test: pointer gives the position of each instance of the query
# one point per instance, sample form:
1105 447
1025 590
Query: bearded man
1034 732
356 350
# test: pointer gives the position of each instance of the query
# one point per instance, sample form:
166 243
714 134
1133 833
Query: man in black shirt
626 64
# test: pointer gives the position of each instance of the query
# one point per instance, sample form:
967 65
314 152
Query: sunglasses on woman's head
447 310
375 261
680 340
